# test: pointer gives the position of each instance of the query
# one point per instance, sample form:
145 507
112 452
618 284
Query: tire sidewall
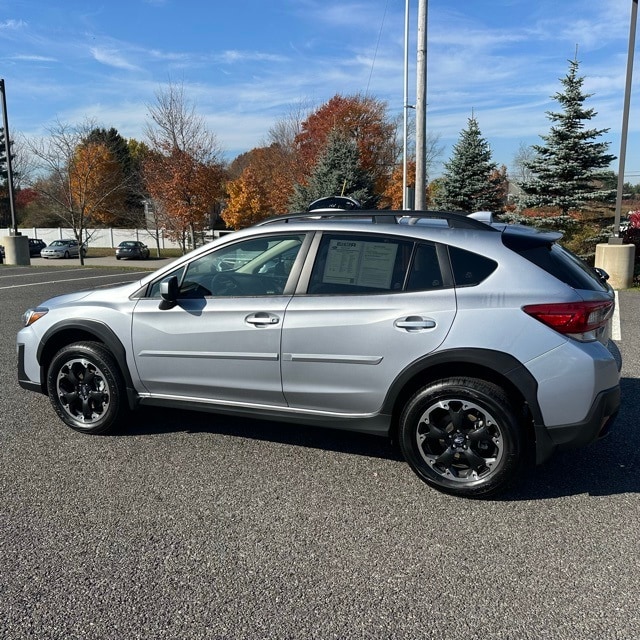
102 359
489 397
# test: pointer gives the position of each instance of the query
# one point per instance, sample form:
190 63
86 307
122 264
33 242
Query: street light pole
421 109
5 122
405 109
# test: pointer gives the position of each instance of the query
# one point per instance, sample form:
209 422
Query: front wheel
461 436
86 387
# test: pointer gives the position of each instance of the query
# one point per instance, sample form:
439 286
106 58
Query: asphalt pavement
194 526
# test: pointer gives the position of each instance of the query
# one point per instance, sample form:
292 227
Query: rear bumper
597 424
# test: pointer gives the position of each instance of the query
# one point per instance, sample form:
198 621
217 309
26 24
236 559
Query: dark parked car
132 249
36 246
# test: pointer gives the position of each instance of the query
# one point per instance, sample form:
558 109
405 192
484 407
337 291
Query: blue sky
246 63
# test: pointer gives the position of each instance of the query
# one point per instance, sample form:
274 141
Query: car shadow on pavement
151 420
607 467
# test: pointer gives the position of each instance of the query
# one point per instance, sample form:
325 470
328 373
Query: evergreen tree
568 169
471 181
337 173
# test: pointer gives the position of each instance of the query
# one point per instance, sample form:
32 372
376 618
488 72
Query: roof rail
455 220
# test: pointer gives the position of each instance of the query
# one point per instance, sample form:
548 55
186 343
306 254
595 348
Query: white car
63 249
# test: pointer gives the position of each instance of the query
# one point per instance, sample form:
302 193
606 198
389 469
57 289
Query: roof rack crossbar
456 220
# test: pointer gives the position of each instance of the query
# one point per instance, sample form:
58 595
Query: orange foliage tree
185 190
96 183
182 171
362 118
262 189
392 198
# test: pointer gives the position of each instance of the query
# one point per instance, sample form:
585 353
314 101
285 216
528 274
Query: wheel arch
66 333
493 366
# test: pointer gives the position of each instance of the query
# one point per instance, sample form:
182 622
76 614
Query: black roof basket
455 220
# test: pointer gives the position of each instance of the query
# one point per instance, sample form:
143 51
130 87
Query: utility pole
625 123
421 108
405 110
7 146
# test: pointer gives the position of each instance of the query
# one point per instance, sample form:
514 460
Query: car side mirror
169 292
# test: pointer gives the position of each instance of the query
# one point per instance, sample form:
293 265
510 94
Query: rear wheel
86 387
461 436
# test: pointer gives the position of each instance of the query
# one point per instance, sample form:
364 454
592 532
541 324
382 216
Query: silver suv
474 345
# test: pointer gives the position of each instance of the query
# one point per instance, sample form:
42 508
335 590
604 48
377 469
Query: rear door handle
415 323
262 319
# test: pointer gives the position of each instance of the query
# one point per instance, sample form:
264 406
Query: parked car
476 346
36 246
132 249
63 249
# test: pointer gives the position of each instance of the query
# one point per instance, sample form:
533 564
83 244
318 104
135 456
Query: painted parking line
616 332
35 273
113 275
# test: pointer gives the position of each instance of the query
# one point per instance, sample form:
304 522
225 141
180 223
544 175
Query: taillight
574 318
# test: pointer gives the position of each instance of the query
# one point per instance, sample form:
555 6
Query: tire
86 387
461 436
66 254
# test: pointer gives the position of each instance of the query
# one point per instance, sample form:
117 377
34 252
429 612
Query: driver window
255 267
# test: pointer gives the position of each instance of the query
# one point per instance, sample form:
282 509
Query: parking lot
187 525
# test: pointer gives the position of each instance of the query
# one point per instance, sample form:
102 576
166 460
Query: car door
373 305
220 341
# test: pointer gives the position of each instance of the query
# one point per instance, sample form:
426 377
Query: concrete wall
109 238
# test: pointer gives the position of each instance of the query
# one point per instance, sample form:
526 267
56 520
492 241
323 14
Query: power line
375 53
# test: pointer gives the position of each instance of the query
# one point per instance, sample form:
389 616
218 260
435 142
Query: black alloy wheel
86 387
461 436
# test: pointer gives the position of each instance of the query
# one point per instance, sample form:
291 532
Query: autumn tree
97 182
123 151
392 198
263 188
364 120
338 172
79 179
183 172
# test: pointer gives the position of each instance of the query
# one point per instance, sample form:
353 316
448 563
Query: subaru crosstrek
476 346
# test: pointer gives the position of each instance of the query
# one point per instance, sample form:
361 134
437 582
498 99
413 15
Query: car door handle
262 319
415 323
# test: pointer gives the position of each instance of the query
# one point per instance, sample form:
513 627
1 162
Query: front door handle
262 319
415 323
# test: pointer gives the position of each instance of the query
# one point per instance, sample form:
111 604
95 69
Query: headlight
31 315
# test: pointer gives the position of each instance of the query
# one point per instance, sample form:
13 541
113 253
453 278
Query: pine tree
566 170
471 181
337 173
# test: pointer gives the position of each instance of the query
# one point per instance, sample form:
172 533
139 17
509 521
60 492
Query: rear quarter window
470 268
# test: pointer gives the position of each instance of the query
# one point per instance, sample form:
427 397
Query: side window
255 267
154 290
425 269
348 264
470 268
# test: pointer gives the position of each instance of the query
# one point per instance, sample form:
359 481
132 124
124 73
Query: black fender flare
503 364
104 334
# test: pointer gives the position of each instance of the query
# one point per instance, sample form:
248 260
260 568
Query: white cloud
13 25
112 58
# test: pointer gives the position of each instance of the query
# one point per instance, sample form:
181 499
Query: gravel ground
186 525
